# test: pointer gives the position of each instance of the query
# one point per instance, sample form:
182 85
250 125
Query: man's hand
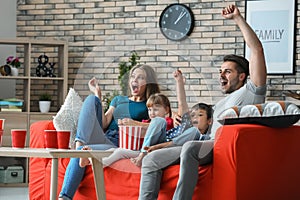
230 12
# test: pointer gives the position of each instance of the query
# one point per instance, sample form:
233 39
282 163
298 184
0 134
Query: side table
54 154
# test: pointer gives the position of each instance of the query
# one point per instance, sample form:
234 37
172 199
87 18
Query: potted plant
45 102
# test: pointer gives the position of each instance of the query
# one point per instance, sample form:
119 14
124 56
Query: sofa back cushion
274 114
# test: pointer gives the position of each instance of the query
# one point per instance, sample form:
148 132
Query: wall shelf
29 86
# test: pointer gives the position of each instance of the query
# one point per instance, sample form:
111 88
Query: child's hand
151 148
157 146
176 119
178 76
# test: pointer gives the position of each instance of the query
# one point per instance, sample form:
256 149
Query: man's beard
233 86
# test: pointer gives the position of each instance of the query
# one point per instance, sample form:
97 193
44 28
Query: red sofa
250 162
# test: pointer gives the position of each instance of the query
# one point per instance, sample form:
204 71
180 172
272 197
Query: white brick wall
101 33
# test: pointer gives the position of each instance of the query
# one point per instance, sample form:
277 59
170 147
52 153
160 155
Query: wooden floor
14 193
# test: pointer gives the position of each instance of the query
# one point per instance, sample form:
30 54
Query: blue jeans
156 132
90 132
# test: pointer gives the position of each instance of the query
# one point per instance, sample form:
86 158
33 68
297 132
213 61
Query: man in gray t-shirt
233 81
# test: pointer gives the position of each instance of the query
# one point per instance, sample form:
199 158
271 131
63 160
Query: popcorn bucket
130 137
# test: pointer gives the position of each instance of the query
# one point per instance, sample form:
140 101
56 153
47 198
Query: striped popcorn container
130 137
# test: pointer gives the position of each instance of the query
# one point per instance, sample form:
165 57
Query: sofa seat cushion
122 179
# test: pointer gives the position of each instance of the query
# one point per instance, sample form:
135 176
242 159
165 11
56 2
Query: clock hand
180 16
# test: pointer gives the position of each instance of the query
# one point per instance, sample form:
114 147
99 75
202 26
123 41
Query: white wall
8 30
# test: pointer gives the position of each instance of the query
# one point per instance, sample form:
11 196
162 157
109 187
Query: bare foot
94 87
138 160
92 84
84 161
78 144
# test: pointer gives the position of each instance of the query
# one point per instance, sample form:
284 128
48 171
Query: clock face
176 22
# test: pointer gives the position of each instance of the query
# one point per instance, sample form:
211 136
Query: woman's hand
94 87
126 122
131 122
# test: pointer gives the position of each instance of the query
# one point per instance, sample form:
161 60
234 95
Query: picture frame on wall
274 23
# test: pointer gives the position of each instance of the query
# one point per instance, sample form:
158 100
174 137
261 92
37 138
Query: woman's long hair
152 86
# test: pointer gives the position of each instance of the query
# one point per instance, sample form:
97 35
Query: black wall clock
176 22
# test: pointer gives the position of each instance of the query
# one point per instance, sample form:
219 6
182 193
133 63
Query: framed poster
274 23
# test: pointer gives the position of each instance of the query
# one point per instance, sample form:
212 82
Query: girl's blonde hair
159 99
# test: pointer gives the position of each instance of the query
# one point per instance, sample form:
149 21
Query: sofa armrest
256 162
37 166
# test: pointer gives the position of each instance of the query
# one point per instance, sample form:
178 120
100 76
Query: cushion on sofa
123 178
274 114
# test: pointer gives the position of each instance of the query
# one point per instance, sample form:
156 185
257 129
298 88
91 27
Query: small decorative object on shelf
11 66
5 70
45 103
42 70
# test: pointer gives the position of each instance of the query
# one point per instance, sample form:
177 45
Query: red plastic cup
63 139
18 138
50 139
2 124
1 135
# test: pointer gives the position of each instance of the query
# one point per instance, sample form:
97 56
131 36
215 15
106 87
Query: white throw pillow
67 116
